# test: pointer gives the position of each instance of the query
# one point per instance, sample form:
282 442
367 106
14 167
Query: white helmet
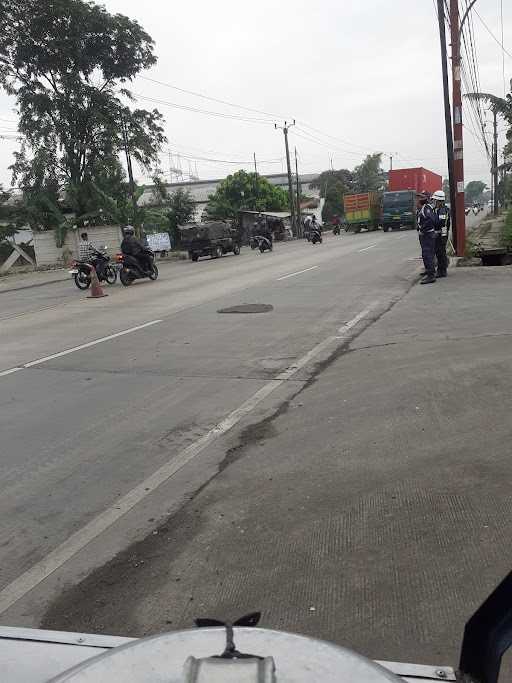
439 195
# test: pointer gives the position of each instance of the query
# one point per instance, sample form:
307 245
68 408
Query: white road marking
31 363
342 332
366 248
81 538
9 372
285 277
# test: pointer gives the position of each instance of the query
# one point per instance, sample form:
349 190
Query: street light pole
495 162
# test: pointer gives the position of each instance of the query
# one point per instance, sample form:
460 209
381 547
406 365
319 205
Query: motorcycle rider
442 230
427 221
88 252
131 246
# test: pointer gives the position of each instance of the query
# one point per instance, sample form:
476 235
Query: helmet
439 195
425 195
128 230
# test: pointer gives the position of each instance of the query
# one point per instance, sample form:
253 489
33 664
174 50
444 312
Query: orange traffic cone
96 289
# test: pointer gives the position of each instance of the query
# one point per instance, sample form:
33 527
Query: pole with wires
288 166
495 162
458 144
297 185
447 121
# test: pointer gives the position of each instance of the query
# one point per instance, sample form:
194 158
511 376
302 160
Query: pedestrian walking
443 223
427 220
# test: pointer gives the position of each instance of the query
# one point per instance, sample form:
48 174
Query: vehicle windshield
397 199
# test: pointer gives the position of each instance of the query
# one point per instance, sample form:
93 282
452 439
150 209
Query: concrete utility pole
290 186
495 162
447 121
458 144
297 183
255 180
390 162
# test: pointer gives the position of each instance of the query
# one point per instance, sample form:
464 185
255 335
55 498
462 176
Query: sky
357 76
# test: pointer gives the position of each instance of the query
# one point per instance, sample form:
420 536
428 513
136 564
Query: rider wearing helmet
442 231
427 221
131 246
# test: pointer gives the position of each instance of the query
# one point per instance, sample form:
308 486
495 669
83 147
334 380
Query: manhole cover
247 308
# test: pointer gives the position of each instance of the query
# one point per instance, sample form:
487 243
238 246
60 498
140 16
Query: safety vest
443 216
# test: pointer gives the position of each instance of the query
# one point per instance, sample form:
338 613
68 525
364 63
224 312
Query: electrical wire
505 51
502 52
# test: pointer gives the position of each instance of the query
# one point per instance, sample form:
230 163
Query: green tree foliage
369 176
181 210
244 190
474 191
333 185
446 188
8 216
65 62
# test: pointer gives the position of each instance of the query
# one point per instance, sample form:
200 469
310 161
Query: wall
47 253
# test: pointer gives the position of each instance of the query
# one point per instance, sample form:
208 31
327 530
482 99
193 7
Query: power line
225 161
213 99
206 112
502 52
492 34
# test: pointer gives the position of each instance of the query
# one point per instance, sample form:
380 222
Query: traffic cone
96 289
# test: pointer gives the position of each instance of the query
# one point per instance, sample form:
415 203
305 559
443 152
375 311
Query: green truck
398 210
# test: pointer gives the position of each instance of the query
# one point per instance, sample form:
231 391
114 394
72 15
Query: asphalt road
101 443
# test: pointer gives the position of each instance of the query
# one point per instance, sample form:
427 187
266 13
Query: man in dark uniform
442 231
427 221
130 246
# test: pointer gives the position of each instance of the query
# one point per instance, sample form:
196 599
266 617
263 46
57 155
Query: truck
419 179
398 210
212 238
362 211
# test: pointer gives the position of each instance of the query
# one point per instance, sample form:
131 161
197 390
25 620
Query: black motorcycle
261 242
315 236
131 268
105 270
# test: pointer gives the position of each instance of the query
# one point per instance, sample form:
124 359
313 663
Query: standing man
427 220
443 224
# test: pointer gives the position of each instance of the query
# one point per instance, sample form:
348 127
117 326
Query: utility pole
130 175
458 145
495 162
255 181
448 122
297 182
290 186
390 162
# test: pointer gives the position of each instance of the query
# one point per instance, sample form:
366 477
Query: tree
446 188
369 176
333 185
474 191
8 223
181 210
66 62
244 190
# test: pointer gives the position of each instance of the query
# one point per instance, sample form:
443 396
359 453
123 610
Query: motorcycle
105 270
315 236
261 242
131 269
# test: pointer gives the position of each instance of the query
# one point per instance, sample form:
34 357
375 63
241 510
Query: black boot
441 273
427 280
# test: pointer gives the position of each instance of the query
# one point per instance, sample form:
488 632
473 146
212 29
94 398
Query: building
202 189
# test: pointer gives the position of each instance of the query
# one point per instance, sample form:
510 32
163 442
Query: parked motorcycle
131 269
315 236
261 242
105 269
